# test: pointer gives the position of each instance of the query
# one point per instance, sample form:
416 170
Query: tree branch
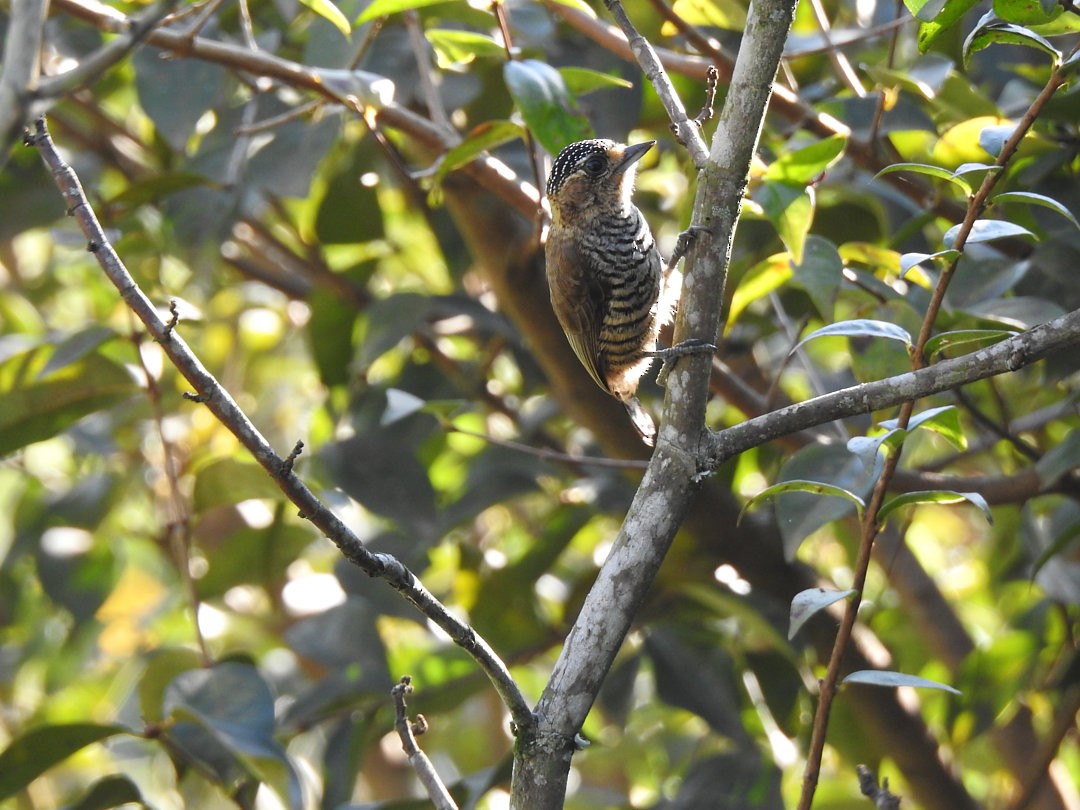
210 392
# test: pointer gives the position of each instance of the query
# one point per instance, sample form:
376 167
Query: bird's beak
631 155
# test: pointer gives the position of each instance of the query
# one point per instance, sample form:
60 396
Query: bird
607 281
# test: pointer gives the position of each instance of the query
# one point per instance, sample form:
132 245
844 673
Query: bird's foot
668 356
684 243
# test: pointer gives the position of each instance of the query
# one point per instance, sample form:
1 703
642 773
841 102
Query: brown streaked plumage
605 274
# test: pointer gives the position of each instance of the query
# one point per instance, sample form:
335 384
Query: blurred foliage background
356 283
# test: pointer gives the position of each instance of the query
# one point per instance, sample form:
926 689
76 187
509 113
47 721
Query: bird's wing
582 305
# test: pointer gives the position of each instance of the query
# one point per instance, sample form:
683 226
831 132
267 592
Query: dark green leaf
986 230
29 756
820 273
812 487
1060 459
938 496
910 260
549 110
76 347
964 337
1036 199
991 31
945 421
109 791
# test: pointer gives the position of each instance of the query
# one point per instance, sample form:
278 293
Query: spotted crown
570 158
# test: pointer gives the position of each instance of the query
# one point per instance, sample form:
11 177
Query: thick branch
1009 355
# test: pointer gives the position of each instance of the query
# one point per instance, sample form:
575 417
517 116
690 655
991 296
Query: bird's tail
643 423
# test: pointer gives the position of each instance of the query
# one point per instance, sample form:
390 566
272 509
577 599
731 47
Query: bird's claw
683 348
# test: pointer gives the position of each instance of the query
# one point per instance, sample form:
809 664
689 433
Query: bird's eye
595 165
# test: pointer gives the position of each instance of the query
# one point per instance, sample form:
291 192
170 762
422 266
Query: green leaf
580 81
964 337
910 260
939 496
820 273
227 481
868 447
1061 543
879 677
759 281
930 170
790 208
549 110
806 164
1032 198
986 230
109 791
30 755
75 347
227 712
993 31
993 138
813 487
1059 460
331 13
810 602
861 327
455 49
949 14
1026 12
945 421
384 8
480 139
38 403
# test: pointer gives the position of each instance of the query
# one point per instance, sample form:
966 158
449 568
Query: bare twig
686 131
210 392
408 732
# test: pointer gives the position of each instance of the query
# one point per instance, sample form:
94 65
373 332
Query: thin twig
210 392
686 131
408 732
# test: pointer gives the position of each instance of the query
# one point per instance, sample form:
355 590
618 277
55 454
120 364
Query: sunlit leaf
877 677
758 282
790 208
455 49
810 602
950 14
384 8
937 496
580 81
808 163
331 13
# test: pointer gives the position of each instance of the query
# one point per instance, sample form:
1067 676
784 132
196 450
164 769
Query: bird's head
594 175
